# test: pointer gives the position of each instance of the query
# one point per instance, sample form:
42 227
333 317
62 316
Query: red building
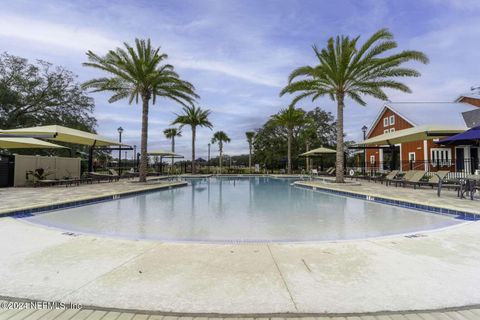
423 154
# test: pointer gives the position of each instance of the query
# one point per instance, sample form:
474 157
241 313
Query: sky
238 53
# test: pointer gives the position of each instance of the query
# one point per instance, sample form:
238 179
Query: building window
392 120
392 129
411 156
372 159
386 131
385 122
440 156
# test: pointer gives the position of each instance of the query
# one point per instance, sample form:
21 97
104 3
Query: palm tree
250 136
138 72
344 70
289 118
220 137
194 117
171 133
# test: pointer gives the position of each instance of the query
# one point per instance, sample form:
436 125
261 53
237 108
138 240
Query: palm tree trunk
340 155
144 140
193 149
250 157
173 148
289 156
307 159
221 156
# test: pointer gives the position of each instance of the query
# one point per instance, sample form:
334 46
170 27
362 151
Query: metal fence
458 168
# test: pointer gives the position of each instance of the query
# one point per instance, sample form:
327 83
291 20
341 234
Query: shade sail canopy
163 153
318 152
65 134
467 137
425 132
25 143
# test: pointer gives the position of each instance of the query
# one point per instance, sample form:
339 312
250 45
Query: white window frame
410 154
385 122
392 130
372 159
386 131
392 120
445 155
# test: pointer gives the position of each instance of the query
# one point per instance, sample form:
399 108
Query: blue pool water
237 208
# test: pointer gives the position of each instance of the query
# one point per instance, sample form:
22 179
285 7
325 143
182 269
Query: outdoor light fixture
364 130
120 131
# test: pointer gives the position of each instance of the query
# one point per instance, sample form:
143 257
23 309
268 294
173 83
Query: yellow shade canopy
318 152
25 143
426 132
64 134
163 153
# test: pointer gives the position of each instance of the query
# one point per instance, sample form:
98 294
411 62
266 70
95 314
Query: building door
7 165
474 158
391 158
459 159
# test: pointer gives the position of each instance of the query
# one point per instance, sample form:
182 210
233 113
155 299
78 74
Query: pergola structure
318 152
69 135
164 154
26 143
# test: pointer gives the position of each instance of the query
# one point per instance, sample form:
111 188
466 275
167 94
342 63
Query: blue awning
471 136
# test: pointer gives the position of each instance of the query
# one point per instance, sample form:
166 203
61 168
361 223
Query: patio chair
435 179
389 177
95 176
384 177
399 179
414 179
314 172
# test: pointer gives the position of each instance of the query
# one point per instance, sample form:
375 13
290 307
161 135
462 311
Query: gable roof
427 113
472 94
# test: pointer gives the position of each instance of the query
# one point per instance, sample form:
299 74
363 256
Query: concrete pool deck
432 270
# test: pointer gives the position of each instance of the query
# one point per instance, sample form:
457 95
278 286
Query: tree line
139 73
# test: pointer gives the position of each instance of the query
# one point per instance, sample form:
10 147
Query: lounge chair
330 171
415 179
389 177
435 179
95 176
375 176
399 179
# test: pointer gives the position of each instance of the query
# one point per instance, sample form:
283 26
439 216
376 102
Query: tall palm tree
289 118
344 70
250 136
220 137
171 133
139 72
193 117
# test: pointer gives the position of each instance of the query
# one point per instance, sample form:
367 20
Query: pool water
242 209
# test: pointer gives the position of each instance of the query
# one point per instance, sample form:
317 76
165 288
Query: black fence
457 167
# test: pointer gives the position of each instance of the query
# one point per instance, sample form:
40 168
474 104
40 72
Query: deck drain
70 234
417 235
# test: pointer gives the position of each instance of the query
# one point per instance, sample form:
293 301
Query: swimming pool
241 209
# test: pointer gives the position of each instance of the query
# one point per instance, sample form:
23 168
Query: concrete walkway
430 271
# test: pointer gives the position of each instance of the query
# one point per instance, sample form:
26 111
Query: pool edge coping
399 202
28 210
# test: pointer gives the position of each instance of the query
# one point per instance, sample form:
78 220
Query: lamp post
120 131
364 130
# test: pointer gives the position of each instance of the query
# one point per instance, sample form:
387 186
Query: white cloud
55 34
